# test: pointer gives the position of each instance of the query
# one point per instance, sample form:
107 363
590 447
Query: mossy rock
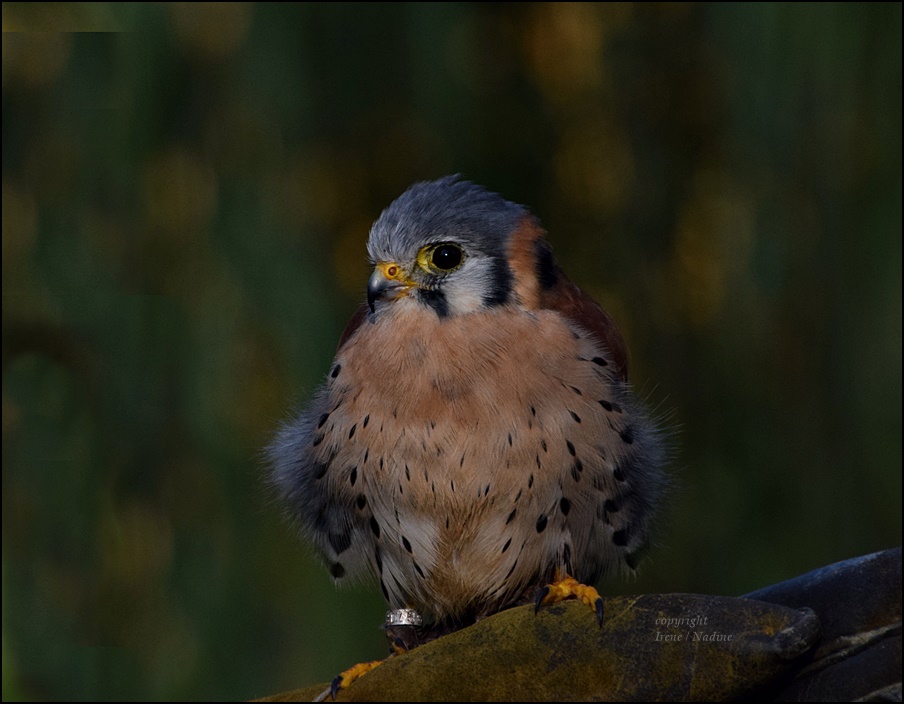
831 634
680 647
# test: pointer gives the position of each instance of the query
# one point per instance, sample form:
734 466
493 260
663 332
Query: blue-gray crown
441 210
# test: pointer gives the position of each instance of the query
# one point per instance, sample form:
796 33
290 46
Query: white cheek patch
467 288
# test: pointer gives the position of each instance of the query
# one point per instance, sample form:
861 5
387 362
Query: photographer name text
691 623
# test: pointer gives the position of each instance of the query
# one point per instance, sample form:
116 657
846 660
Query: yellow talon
567 588
344 679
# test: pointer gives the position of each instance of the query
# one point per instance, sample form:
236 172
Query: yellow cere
394 272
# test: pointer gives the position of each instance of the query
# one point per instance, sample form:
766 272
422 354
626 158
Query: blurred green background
187 192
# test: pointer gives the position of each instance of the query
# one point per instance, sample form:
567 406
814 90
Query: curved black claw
540 597
599 611
399 645
335 686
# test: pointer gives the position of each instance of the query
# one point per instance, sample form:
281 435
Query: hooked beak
387 282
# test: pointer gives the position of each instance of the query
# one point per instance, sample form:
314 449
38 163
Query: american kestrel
476 437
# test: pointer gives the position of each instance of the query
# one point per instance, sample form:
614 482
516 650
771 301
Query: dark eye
446 257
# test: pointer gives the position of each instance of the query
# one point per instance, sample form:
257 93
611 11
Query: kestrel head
444 245
449 248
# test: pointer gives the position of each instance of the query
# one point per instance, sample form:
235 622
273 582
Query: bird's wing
578 307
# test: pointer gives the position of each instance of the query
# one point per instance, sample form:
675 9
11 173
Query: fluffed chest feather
475 462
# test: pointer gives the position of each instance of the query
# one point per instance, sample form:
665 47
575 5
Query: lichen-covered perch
834 633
